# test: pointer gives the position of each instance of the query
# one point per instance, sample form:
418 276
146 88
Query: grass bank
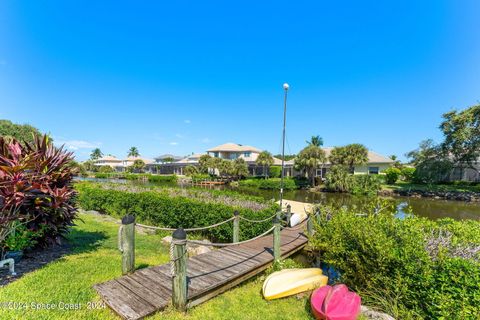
454 187
94 258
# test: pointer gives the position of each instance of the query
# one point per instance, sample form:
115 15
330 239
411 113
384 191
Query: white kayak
292 281
297 218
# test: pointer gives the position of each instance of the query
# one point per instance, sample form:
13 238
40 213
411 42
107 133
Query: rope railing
258 221
230 244
187 229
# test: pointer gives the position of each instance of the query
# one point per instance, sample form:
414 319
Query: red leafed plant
36 188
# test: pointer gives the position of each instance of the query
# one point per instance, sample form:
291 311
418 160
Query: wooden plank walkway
149 290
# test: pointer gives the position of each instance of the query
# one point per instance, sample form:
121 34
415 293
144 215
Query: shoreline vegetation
457 191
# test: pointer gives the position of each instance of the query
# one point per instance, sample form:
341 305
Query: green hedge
160 208
270 184
402 266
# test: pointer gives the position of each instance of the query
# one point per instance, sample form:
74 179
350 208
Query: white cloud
206 140
187 121
173 143
180 136
76 144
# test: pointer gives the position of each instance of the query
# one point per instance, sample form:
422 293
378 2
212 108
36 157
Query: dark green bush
338 179
275 172
408 174
412 268
365 184
392 174
190 208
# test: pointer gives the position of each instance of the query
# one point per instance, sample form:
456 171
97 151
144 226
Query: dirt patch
32 261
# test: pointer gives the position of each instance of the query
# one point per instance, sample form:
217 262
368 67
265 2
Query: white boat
297 218
292 281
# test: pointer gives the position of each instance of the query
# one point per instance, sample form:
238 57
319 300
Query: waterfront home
464 172
167 158
121 165
376 164
232 151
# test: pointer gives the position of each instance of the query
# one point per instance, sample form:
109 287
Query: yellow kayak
292 281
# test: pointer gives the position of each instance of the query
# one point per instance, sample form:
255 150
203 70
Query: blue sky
182 76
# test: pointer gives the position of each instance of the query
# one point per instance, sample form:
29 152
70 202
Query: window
215 154
247 154
373 170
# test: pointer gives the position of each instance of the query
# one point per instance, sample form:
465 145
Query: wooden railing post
126 243
276 240
310 225
236 227
179 268
289 214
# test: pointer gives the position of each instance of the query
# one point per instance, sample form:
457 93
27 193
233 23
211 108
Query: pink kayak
335 303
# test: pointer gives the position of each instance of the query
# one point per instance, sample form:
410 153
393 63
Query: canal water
426 207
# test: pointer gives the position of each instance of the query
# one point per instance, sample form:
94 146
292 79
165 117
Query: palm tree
316 141
349 155
310 159
133 152
96 154
265 160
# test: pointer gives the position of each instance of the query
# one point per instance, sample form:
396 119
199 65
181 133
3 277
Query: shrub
408 173
338 179
275 172
392 174
164 178
175 207
270 184
412 268
365 184
105 169
35 188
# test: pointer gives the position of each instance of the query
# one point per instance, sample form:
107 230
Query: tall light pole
285 88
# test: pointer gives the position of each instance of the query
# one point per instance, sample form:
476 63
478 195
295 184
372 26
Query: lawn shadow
77 241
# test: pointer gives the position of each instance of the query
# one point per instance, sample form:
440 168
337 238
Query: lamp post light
285 88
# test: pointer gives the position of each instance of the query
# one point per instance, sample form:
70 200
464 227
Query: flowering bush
35 188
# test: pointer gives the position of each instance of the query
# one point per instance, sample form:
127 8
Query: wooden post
276 240
179 276
310 225
289 214
236 227
126 243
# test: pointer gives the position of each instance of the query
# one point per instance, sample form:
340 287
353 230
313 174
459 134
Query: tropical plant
275 171
96 154
392 174
203 163
214 164
310 159
35 187
239 168
133 152
316 141
349 155
137 166
265 159
20 132
225 167
190 171
21 238
90 166
338 179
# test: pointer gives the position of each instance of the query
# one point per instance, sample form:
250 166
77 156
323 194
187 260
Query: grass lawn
95 258
431 187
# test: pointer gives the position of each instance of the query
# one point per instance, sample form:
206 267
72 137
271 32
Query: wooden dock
149 290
